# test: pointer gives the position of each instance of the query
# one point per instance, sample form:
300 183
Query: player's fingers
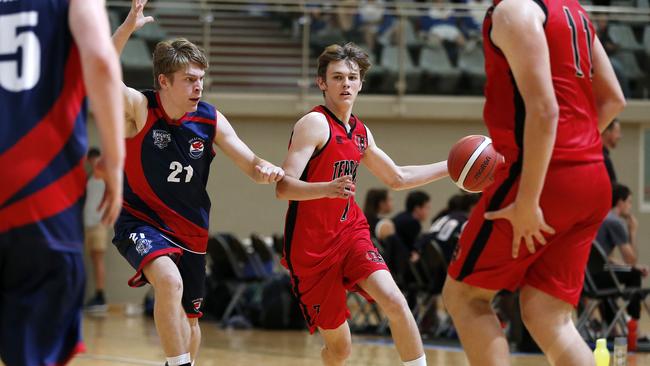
530 243
516 242
494 215
540 238
280 175
547 228
148 19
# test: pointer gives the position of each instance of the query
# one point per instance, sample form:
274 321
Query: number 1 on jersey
345 211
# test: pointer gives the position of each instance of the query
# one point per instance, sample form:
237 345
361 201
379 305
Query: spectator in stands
448 224
379 203
610 138
471 20
619 231
611 48
408 224
370 19
440 26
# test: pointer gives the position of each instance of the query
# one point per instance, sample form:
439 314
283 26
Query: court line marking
117 359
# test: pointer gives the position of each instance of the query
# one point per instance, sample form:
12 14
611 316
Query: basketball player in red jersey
163 229
550 91
327 245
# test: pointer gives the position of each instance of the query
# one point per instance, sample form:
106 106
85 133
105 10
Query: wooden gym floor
116 339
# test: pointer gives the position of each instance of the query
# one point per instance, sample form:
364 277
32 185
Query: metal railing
302 12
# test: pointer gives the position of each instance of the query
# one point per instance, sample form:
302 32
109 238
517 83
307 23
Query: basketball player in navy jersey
327 245
550 91
48 51
163 228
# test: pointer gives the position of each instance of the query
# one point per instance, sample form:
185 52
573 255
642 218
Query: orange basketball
471 162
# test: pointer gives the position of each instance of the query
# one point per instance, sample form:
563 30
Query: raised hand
136 19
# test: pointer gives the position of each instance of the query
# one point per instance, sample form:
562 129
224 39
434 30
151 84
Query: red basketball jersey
569 37
317 231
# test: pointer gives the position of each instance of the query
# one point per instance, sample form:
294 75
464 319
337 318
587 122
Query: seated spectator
440 26
448 224
408 223
370 18
379 203
611 48
619 231
471 20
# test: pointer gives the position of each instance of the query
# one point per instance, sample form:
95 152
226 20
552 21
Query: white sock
179 360
421 361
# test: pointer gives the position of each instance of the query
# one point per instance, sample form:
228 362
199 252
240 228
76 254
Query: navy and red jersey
43 122
316 231
166 173
570 36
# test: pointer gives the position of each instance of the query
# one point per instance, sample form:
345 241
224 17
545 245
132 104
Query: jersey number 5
574 41
177 168
14 36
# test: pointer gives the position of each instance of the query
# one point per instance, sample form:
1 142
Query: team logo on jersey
142 244
374 256
339 139
197 304
161 138
197 145
361 142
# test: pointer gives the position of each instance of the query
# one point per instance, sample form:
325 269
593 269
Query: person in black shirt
610 138
408 224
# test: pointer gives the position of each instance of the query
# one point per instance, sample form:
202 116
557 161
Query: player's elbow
547 114
397 182
618 103
281 190
101 64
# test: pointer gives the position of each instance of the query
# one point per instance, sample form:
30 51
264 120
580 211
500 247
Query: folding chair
224 268
616 298
269 260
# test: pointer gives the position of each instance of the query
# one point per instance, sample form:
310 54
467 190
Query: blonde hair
349 52
173 55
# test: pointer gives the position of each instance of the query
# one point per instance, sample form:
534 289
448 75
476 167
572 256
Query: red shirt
317 231
569 38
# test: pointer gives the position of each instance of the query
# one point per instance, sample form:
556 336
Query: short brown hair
349 52
173 55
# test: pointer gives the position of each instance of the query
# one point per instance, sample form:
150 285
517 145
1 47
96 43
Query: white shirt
94 193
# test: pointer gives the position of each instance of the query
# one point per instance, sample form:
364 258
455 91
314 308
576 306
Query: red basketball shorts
575 200
323 295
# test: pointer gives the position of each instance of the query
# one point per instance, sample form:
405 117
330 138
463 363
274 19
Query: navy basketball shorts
41 300
142 244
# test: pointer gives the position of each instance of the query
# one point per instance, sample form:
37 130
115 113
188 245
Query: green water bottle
601 353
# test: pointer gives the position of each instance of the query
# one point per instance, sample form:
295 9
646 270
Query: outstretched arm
101 73
309 134
135 103
259 170
400 177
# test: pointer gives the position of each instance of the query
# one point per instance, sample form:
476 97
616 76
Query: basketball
471 163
